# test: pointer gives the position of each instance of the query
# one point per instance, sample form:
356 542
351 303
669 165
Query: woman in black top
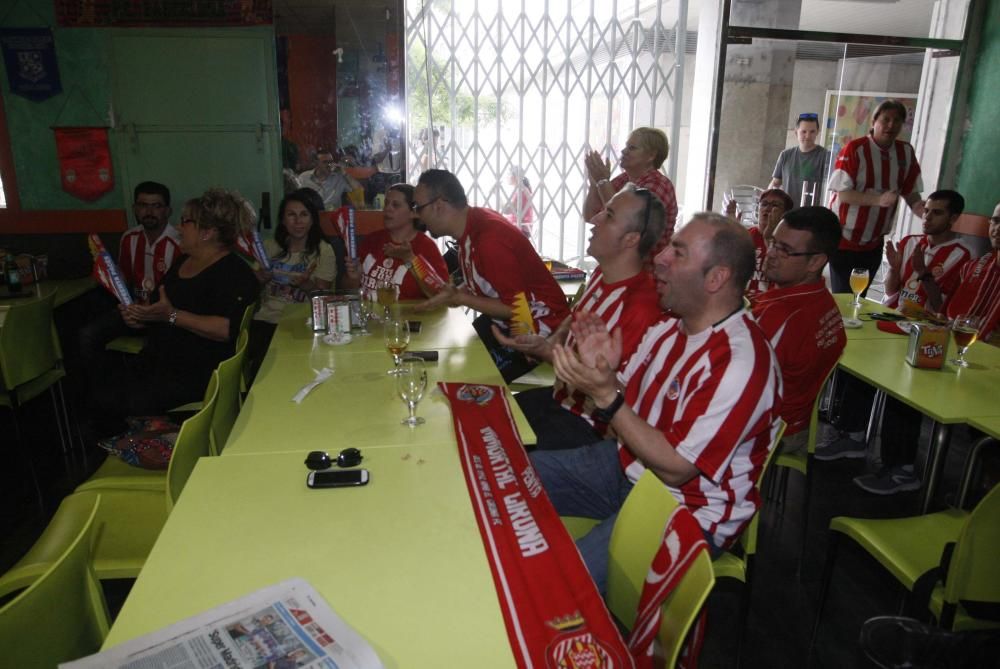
193 323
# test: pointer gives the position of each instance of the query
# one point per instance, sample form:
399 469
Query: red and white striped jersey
138 259
498 261
716 396
944 261
866 167
631 306
978 293
806 330
758 283
660 185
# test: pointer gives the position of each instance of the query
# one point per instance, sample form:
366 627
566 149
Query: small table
949 395
401 559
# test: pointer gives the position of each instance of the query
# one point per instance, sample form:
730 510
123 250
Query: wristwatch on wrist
605 414
172 318
602 182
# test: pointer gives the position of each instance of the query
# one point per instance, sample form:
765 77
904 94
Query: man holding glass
802 164
869 177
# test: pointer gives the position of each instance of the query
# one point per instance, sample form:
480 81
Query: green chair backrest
28 346
749 537
634 541
62 616
973 573
193 442
227 406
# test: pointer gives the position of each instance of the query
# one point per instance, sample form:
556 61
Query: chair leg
807 493
59 421
744 612
831 556
23 452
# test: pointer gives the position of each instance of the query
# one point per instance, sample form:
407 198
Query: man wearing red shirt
504 277
621 292
924 269
869 177
697 402
978 293
798 313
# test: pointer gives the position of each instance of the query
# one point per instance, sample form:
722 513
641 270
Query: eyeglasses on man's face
155 206
808 117
417 208
783 250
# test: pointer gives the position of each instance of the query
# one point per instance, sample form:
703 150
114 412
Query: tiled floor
782 608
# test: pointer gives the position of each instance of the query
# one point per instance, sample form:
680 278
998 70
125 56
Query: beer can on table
338 315
318 300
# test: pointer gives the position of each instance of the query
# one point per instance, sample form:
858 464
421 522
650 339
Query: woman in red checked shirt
400 253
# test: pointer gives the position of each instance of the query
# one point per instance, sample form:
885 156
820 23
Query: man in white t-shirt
329 179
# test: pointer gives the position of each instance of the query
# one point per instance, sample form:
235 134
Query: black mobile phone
427 356
887 316
414 326
337 479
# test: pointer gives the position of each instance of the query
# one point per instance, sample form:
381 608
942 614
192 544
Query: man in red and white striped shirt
979 290
149 249
869 177
697 402
621 292
924 269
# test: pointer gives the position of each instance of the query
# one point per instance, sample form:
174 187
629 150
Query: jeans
844 261
587 482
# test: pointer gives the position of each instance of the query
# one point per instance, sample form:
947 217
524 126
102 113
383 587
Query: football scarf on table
554 615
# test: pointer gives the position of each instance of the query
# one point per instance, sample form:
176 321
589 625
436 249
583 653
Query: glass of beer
859 281
397 338
965 329
387 293
411 383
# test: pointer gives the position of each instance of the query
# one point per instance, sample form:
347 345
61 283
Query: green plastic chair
802 462
910 547
130 519
116 473
635 539
31 362
62 615
229 402
740 565
128 344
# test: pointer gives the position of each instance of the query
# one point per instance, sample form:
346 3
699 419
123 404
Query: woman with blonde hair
193 321
644 153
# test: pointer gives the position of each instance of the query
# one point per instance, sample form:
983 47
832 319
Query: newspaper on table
283 626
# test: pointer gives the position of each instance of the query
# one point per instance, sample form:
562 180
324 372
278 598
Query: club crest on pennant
578 650
30 66
480 395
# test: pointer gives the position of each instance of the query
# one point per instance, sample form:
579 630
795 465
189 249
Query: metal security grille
498 92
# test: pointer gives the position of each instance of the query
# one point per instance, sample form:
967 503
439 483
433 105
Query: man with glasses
697 402
504 279
802 164
798 314
329 179
771 207
621 292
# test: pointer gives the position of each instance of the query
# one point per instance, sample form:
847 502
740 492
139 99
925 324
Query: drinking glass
859 281
411 383
365 312
388 293
397 338
965 328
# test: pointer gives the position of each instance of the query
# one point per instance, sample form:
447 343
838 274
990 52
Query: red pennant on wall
84 162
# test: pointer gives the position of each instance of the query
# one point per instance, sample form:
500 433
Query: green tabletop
948 395
358 406
988 424
869 328
442 328
65 290
401 559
